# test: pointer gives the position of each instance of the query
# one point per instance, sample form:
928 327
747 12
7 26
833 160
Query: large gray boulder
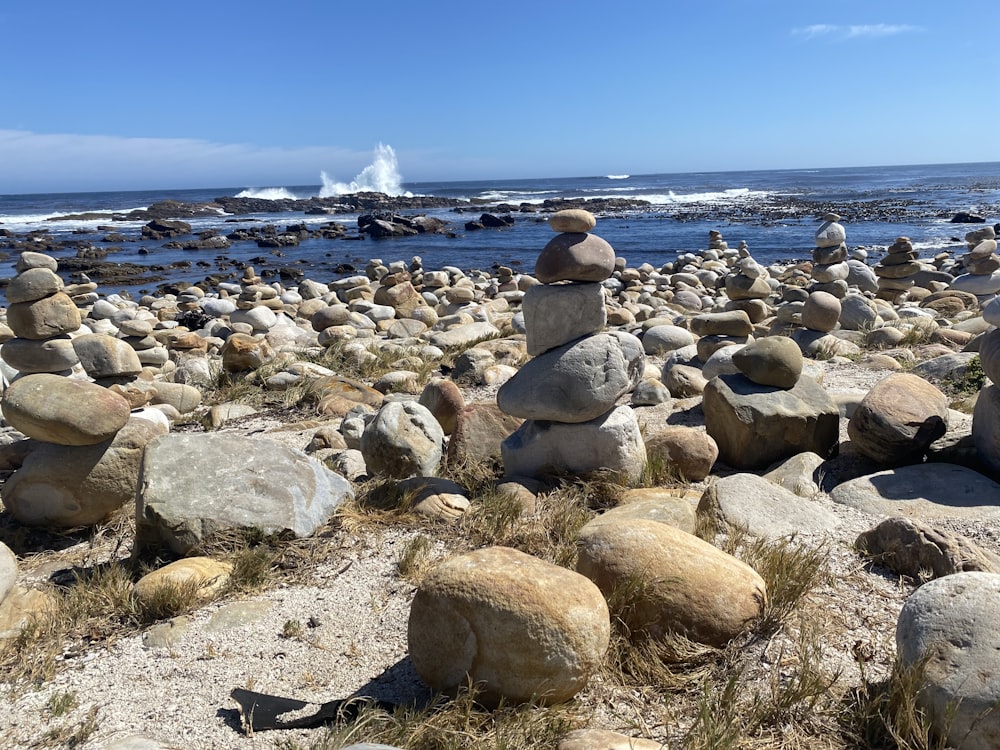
755 426
576 382
194 485
949 626
521 628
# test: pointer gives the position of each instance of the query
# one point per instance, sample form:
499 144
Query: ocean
775 212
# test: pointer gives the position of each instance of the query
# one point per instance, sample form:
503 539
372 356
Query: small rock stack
982 265
830 269
41 316
748 281
896 270
567 393
256 304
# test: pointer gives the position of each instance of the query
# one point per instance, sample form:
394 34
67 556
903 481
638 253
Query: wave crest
270 194
381 176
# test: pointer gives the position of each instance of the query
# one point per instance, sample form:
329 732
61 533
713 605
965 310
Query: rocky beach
714 499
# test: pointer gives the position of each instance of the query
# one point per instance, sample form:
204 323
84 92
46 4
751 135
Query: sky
121 95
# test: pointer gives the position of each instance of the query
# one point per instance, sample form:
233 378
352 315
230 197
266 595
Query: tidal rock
576 382
949 627
755 426
520 628
899 419
62 486
105 356
192 485
611 442
682 584
403 440
64 411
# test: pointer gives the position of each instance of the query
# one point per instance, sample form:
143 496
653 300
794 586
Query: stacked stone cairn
830 269
567 394
982 265
897 271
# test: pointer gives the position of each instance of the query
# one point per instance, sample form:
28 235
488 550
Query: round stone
572 220
34 284
44 318
821 312
775 361
948 626
522 628
63 411
575 256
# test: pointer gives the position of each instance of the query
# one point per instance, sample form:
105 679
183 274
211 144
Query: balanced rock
44 318
576 382
555 314
521 628
684 585
775 360
64 411
899 418
948 627
444 400
54 355
105 356
821 312
403 440
572 220
575 256
192 485
33 284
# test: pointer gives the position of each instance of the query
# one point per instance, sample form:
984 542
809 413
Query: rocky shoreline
849 407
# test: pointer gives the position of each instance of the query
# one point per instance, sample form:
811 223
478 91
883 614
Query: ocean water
775 212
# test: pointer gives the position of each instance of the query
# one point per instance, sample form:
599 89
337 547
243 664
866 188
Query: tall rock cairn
981 263
568 393
896 271
830 269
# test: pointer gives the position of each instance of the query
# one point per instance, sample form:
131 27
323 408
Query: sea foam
270 194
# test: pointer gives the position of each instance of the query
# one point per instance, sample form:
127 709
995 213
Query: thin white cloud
856 31
36 162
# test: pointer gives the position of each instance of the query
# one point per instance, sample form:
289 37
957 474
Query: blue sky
132 95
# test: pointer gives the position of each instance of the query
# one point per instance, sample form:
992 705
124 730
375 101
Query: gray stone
821 312
949 627
611 442
403 440
857 313
650 392
755 426
763 509
923 491
986 428
194 485
33 284
105 356
798 474
555 314
464 336
732 323
575 256
665 338
576 382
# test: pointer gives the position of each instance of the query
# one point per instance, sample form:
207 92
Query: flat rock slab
194 485
923 491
